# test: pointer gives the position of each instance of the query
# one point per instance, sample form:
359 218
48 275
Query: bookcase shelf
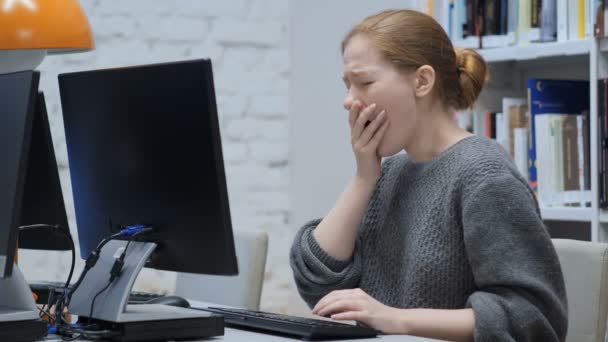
568 214
603 216
537 51
603 44
574 60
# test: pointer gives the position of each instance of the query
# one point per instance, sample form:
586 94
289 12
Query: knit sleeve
520 288
317 273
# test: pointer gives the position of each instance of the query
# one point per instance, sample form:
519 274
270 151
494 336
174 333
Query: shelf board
536 51
603 216
603 44
567 214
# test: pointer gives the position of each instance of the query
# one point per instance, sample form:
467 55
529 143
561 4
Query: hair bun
472 75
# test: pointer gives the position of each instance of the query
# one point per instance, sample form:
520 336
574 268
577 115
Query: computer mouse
170 300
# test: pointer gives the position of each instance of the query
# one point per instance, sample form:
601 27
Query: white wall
322 161
247 41
321 158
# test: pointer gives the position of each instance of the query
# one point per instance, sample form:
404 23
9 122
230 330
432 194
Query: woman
445 241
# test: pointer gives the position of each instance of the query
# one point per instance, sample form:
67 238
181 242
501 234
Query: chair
242 291
585 269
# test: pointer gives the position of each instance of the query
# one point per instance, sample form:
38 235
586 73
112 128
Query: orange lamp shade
54 25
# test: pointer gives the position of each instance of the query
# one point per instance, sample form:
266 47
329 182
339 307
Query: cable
64 300
65 233
114 273
43 313
95 298
130 232
91 332
49 301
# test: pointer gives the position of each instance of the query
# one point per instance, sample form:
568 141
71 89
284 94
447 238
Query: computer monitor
18 315
42 201
144 148
17 102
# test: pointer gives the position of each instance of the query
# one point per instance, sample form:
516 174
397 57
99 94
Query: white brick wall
247 41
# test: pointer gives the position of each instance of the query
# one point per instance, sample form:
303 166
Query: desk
237 335
247 336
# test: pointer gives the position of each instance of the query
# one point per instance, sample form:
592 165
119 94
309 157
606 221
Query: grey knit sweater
460 231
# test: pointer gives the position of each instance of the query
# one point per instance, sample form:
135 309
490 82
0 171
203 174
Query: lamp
31 29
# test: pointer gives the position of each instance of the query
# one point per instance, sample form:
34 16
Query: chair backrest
242 291
585 269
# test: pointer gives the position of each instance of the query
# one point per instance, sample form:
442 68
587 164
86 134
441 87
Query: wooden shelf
567 214
537 51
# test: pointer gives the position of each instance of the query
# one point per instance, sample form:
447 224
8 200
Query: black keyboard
44 289
305 328
142 297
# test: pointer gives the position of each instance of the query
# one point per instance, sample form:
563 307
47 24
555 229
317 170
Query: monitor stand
140 321
19 318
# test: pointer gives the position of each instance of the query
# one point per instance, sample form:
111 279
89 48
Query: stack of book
547 135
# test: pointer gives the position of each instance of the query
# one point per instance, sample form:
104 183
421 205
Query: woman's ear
424 80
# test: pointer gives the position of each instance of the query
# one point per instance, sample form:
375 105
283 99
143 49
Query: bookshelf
603 216
542 40
536 51
567 214
585 59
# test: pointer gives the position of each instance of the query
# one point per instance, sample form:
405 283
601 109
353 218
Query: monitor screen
42 197
16 108
144 148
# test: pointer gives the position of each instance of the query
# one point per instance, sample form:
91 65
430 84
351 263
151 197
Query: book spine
562 20
532 144
520 153
548 24
581 157
573 19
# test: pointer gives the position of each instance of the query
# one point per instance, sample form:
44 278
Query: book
552 97
514 110
548 21
520 150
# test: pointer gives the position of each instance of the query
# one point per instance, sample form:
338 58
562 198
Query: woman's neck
436 132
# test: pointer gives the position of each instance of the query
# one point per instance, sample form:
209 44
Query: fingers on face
365 115
353 113
372 129
375 141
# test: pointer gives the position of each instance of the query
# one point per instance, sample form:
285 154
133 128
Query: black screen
17 98
42 197
144 148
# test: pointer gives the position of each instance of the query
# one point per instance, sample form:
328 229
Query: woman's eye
368 83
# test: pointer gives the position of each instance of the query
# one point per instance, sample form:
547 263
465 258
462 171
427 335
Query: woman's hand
367 129
358 306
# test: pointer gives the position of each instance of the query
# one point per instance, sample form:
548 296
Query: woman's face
370 78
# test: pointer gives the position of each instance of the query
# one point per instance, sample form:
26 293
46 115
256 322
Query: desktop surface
238 335
234 334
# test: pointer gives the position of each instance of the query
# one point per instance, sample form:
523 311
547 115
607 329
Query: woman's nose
348 102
